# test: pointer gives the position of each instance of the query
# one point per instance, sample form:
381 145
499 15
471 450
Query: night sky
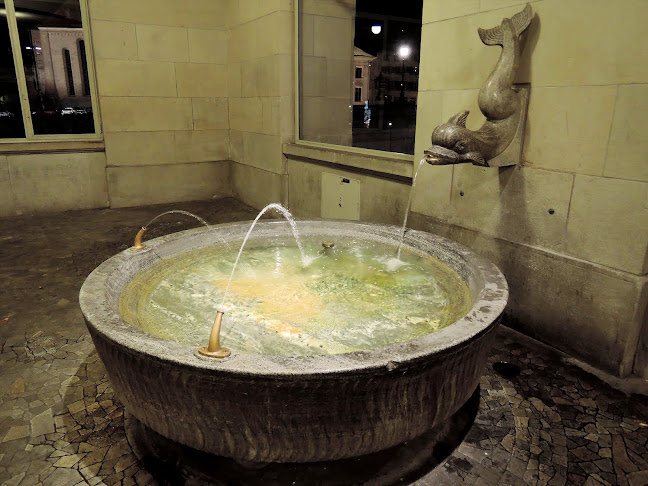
401 21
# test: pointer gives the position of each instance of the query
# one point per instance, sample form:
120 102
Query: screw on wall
551 211
461 193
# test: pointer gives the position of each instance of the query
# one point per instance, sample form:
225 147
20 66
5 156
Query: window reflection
11 123
359 73
53 51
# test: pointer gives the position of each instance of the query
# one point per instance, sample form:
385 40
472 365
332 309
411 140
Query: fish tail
495 36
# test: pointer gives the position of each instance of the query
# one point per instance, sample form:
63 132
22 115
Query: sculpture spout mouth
437 155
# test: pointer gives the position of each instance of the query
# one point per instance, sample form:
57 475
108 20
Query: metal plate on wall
340 197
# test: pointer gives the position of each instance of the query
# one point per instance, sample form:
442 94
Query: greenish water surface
358 297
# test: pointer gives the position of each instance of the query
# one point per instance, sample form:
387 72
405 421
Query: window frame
355 94
30 136
369 155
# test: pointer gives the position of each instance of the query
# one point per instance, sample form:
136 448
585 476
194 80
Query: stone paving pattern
60 423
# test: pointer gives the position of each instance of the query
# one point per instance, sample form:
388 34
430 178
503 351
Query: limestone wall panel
140 148
208 46
257 187
627 154
135 186
7 204
246 114
114 40
201 14
136 78
201 80
58 182
137 114
161 43
568 128
518 204
608 222
210 113
201 145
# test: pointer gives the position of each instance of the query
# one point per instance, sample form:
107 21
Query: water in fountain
347 301
407 210
286 214
177 211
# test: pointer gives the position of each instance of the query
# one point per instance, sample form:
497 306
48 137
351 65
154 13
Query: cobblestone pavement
60 423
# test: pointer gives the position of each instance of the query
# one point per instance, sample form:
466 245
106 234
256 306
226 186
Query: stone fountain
274 408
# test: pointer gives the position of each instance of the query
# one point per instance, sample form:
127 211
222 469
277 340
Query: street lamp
404 52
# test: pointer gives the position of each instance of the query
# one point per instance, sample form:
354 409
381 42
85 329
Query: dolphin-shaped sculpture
452 142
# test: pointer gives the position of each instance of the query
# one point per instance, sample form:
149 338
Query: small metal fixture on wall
498 142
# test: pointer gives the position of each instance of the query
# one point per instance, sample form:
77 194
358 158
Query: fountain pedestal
174 464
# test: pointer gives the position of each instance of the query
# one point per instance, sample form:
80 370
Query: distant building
60 66
362 76
394 78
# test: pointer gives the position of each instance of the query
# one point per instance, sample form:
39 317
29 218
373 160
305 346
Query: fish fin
521 20
476 158
491 37
459 118
495 36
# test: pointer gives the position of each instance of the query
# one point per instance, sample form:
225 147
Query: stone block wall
163 92
261 100
569 226
31 183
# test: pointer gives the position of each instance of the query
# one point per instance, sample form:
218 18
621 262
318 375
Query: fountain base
172 463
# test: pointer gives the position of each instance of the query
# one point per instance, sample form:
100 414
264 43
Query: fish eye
459 146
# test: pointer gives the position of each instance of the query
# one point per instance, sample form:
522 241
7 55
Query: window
84 68
380 66
68 72
45 87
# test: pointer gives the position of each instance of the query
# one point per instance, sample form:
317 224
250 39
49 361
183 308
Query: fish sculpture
452 142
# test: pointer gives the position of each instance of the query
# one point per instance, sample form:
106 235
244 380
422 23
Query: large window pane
359 68
11 123
51 39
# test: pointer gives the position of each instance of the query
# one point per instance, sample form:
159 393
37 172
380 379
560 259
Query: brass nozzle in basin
328 246
137 244
214 349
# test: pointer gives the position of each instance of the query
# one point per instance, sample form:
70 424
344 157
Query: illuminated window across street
45 87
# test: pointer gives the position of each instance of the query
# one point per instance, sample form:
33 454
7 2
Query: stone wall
261 115
31 183
570 226
161 73
162 79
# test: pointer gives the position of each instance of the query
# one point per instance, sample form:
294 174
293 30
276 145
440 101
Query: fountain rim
106 321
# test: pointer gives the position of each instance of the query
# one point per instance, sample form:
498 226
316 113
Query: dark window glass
358 94
11 122
358 73
68 71
58 100
84 68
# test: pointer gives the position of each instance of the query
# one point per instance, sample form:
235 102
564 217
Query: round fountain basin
294 406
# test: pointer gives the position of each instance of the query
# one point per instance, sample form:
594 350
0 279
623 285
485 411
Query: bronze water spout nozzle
214 349
137 244
328 246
